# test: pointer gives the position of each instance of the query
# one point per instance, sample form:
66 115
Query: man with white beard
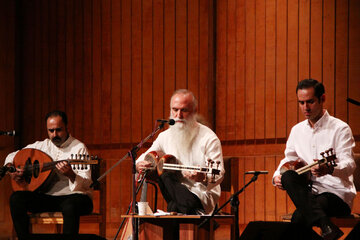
193 144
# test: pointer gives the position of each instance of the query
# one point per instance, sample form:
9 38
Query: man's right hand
277 181
18 175
143 165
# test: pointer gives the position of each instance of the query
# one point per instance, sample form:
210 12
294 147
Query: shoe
331 232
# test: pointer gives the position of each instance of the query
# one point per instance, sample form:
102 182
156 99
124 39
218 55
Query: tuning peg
72 156
217 164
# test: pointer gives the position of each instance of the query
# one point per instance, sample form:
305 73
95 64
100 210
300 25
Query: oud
38 168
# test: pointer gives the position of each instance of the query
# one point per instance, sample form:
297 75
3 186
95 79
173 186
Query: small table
180 226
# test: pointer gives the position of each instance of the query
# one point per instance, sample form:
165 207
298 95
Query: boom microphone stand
234 202
132 154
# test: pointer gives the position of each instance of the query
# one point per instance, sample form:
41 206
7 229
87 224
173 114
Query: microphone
170 121
10 133
350 100
5 169
257 172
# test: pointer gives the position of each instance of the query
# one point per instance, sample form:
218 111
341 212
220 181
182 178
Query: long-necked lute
161 162
37 168
300 166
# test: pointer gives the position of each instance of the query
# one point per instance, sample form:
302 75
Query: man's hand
17 176
143 165
195 176
66 169
277 181
322 170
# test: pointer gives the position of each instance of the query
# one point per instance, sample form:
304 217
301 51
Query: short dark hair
309 83
57 113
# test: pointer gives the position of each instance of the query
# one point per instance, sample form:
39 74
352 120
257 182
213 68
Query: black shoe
331 232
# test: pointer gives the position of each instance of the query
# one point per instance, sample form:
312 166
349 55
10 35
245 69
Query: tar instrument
37 168
161 162
300 166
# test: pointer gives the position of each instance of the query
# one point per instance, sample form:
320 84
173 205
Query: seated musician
331 190
69 192
193 144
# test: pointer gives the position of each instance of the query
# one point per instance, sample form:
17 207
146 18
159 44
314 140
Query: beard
183 132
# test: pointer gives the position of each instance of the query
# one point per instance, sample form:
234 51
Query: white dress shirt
205 145
307 143
63 185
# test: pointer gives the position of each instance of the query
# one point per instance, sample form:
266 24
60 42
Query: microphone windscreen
171 121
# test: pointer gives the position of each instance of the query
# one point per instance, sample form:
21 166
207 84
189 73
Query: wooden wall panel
8 75
112 66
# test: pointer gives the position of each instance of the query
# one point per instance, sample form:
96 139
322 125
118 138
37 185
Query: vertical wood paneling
329 53
230 62
249 193
341 62
160 105
193 47
260 197
96 71
69 67
270 190
316 34
181 47
106 67
207 61
270 70
240 71
88 74
8 94
292 63
169 51
281 67
126 73
116 70
354 63
136 59
78 129
250 70
61 56
304 39
147 66
221 69
260 33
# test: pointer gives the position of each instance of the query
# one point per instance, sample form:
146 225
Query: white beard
183 133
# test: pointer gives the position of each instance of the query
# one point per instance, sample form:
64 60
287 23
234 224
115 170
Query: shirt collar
66 143
321 121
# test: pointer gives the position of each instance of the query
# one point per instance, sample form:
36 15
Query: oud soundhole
36 168
28 171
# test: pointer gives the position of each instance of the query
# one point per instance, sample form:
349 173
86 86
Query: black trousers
311 209
72 207
178 197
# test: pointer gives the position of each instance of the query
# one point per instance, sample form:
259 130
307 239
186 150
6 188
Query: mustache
55 139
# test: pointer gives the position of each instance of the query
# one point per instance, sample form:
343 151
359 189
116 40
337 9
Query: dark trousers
178 197
72 207
311 209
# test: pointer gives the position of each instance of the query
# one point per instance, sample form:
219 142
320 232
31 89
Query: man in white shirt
70 191
193 144
331 191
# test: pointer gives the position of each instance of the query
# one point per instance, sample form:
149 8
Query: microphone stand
132 154
130 205
234 202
